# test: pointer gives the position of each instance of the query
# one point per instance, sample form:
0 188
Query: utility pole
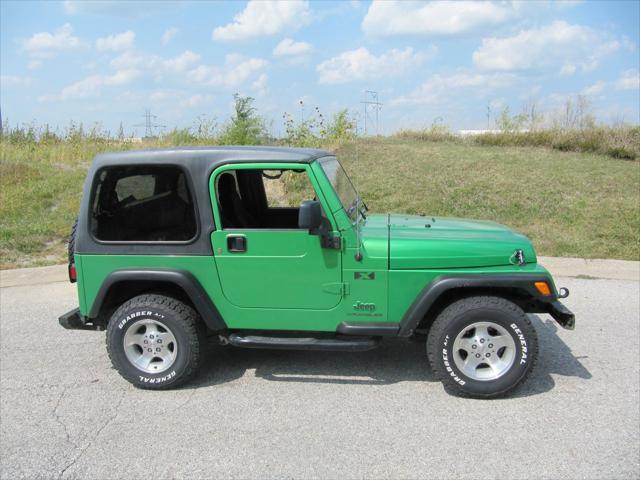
488 113
372 108
149 123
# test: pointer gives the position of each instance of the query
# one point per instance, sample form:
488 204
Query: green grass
569 203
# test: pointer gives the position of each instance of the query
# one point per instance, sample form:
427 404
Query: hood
417 242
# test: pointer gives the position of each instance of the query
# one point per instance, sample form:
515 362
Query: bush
435 133
302 134
622 153
341 128
245 126
621 142
180 136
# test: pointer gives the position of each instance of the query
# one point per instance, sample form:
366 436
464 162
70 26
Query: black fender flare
181 278
431 293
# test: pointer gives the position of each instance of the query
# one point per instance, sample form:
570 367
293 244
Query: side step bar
369 328
299 343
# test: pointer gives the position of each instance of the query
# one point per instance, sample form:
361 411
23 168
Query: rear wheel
482 346
155 342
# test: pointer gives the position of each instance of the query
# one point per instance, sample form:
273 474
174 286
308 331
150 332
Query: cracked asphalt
65 413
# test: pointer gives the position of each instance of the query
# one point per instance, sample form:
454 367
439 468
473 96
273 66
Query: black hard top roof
211 155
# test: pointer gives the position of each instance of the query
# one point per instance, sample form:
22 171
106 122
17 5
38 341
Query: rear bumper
73 320
561 314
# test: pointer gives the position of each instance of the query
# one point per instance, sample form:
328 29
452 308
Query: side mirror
310 215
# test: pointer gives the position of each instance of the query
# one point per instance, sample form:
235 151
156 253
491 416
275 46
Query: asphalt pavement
65 413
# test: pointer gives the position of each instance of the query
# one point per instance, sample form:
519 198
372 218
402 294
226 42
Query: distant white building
469 133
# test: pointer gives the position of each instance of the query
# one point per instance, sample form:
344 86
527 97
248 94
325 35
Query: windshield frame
354 207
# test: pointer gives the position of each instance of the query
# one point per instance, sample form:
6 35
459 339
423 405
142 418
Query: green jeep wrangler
274 248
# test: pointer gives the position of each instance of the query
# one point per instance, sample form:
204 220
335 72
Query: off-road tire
182 321
459 316
71 245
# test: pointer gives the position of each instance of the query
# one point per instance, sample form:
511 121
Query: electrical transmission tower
372 108
149 123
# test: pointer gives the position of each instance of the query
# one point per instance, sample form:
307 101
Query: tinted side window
150 204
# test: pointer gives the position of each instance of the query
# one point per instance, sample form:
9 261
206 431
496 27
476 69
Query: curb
33 276
558 266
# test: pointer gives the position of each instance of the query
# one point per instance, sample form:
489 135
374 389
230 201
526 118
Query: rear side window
142 204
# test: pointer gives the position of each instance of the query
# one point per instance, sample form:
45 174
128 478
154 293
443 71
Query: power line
149 123
372 108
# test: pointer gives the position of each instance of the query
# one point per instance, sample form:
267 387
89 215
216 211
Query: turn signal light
543 288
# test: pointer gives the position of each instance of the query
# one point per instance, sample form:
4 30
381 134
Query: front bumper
73 320
561 314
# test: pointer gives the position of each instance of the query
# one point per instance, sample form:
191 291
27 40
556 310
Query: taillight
72 273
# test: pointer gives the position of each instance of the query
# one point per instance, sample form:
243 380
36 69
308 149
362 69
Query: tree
577 114
531 113
506 123
245 126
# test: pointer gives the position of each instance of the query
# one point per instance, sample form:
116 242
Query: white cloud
236 70
131 60
568 69
45 44
196 100
121 77
119 41
181 98
361 64
438 87
288 48
264 18
629 80
155 64
594 89
183 61
386 18
71 6
15 81
558 44
92 85
168 35
84 88
162 95
260 84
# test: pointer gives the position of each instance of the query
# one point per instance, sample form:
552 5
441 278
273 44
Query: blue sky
105 62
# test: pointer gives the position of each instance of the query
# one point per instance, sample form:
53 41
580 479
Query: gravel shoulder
65 413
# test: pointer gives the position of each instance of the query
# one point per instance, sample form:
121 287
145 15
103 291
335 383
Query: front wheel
482 347
155 342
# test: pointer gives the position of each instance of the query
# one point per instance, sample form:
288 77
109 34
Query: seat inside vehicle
146 204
